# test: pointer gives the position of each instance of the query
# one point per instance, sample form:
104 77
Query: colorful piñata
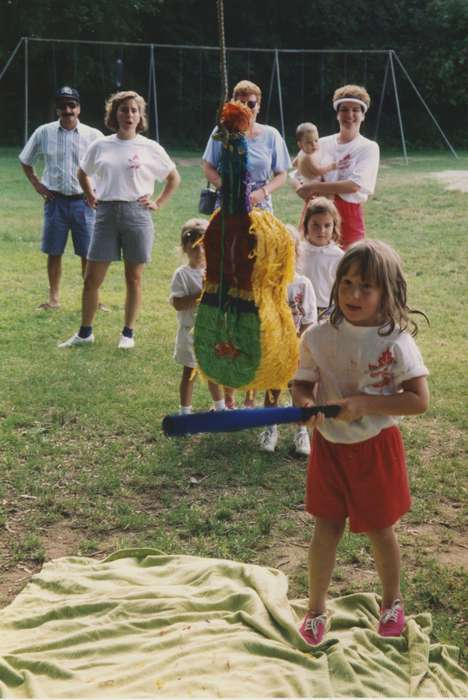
244 333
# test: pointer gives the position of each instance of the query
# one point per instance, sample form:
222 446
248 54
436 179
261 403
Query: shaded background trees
430 36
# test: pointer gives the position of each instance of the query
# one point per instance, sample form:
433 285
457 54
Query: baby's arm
308 165
414 399
187 302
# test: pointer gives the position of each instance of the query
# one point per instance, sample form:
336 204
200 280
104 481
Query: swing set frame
390 76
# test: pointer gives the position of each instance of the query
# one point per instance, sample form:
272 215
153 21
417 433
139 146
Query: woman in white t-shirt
350 185
124 168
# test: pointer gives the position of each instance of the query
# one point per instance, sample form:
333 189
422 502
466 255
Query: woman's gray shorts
122 229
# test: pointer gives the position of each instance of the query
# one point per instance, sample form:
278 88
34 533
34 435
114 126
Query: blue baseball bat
229 421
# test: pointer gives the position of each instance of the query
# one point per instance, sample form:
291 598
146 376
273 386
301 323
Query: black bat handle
329 411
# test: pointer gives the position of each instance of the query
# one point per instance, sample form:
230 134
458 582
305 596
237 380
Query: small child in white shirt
320 252
303 305
186 289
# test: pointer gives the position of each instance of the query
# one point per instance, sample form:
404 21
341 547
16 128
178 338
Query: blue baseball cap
67 93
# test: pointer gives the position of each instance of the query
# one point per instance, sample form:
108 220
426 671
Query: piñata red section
230 248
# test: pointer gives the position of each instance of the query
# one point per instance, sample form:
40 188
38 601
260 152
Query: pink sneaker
312 629
392 620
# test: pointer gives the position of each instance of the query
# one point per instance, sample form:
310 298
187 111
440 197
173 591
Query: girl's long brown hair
377 263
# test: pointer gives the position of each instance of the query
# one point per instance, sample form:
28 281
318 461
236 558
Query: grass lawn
85 468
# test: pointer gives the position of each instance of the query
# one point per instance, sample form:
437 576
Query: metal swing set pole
397 100
439 128
152 91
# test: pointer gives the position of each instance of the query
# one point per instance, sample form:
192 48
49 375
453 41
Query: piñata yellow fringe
272 272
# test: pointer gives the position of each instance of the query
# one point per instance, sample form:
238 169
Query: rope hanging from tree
222 52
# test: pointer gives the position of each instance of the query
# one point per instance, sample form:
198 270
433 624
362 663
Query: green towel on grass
143 624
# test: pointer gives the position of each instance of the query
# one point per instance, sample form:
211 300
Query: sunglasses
70 105
251 104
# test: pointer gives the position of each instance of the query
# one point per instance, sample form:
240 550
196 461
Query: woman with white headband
351 185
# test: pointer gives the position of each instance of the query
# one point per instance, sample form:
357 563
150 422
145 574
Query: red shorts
352 222
365 481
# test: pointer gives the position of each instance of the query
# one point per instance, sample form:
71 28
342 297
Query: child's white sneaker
302 442
269 438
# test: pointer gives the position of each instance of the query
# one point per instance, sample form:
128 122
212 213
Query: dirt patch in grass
57 540
453 180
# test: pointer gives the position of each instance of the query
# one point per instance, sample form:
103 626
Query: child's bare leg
271 398
229 396
322 554
217 394
386 552
186 387
249 399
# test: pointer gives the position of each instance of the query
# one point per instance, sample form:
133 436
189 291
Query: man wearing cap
350 185
61 144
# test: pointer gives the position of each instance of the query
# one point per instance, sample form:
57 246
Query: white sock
185 410
219 405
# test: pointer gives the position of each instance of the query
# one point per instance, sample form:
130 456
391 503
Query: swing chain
222 49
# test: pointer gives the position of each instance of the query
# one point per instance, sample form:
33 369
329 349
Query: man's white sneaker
126 343
269 438
302 442
76 340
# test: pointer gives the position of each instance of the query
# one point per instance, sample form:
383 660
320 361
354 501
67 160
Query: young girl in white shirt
186 288
320 252
364 359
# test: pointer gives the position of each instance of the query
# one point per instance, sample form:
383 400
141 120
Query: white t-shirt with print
187 281
362 167
318 264
351 360
125 169
302 301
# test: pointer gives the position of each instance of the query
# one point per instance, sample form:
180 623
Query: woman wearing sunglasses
268 155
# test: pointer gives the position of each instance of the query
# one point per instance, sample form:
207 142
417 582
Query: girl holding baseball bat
365 360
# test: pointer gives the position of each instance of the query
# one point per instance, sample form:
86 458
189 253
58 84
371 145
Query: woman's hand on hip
148 203
257 197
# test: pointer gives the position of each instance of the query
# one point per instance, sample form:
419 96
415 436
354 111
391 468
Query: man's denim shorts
61 215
